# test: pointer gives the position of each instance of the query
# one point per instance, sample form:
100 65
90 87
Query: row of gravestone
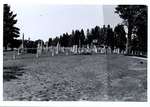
67 50
73 50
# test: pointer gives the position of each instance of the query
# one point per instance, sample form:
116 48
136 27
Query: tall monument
23 41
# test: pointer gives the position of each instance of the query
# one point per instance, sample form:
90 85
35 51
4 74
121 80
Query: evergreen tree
82 37
10 31
55 41
50 42
141 28
110 38
120 37
89 37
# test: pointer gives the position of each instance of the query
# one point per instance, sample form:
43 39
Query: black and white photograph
75 52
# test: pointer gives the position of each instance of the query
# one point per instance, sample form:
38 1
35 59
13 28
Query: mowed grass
75 77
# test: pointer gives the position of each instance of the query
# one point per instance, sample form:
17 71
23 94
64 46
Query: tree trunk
129 38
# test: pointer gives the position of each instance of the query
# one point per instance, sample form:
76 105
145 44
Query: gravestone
63 49
109 50
95 49
103 50
53 53
57 48
14 55
39 50
87 48
67 53
19 51
47 47
21 48
23 42
75 49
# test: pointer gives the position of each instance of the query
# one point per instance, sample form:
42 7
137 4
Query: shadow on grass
12 72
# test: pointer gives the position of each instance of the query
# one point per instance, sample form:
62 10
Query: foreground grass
73 78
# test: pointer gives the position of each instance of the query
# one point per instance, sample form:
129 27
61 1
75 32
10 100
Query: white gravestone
75 49
39 50
95 49
57 48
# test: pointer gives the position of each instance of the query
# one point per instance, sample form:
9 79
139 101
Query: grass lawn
78 77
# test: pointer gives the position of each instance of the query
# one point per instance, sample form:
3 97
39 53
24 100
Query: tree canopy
135 18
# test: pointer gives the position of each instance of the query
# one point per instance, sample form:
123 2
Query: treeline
98 36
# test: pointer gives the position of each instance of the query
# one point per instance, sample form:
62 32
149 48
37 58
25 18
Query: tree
141 28
50 42
82 37
70 41
97 32
10 31
130 14
77 37
110 38
102 35
55 41
120 37
89 37
39 41
64 40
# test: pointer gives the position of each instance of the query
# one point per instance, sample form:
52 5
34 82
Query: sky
110 17
44 21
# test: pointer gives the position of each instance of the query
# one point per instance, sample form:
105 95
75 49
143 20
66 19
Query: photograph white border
68 103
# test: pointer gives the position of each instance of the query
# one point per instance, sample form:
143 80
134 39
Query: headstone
117 50
75 49
39 50
18 51
87 48
47 47
57 48
63 49
109 50
79 50
21 47
95 49
53 52
102 50
14 56
23 41
67 52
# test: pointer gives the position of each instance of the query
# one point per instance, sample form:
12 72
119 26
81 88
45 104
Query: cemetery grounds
97 77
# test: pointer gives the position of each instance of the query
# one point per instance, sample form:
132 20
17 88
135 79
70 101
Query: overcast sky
44 21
